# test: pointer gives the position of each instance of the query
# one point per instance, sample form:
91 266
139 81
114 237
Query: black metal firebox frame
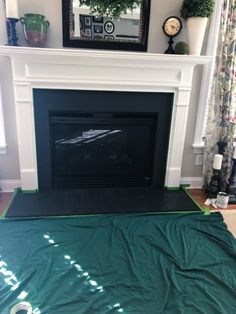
74 102
90 174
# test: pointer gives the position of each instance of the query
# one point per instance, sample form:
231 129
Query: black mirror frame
82 43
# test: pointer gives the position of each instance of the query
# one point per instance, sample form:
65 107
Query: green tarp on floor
127 263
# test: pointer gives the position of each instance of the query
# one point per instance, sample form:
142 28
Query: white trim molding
3 145
193 182
198 148
99 70
207 77
9 185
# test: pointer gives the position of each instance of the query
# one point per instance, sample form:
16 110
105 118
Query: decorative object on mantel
181 48
196 13
12 17
35 29
214 187
111 24
171 28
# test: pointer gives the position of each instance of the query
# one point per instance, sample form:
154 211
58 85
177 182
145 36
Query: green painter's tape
173 188
184 185
29 191
206 210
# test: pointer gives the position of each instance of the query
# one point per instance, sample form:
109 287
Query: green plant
181 48
113 8
197 8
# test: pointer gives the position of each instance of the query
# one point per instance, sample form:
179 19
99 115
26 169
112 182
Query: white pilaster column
177 137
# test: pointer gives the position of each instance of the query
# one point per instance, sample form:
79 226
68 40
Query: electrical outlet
199 160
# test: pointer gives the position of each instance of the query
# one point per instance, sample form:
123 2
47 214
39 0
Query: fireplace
111 71
101 139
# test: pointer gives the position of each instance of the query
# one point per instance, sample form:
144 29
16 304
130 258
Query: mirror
106 24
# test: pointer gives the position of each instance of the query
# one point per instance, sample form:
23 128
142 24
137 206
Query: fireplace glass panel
102 149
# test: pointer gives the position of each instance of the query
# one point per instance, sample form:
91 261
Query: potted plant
113 8
196 14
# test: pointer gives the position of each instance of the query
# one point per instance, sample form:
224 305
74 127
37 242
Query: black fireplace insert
101 139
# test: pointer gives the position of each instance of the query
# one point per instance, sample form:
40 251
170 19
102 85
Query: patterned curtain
222 117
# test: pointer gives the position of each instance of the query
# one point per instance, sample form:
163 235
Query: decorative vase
35 29
196 27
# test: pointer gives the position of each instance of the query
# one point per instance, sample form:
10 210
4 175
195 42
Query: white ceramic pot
196 27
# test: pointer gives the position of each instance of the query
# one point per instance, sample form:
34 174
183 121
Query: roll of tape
26 306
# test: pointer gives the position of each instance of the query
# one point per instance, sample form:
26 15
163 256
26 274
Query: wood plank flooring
200 197
4 200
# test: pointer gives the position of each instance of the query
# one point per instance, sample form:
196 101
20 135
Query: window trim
198 144
3 144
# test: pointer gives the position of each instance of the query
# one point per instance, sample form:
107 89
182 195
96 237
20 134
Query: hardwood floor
4 200
197 194
200 197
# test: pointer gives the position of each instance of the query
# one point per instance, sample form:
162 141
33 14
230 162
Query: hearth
87 139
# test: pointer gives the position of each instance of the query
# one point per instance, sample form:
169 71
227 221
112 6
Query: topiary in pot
197 8
181 48
196 12
113 8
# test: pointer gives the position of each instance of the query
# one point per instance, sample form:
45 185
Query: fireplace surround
101 139
68 69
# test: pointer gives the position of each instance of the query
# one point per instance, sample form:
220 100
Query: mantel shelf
111 55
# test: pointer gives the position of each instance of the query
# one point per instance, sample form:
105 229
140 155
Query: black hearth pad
99 201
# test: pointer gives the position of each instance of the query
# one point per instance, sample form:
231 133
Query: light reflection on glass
87 137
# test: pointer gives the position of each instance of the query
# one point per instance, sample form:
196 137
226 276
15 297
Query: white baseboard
193 182
9 185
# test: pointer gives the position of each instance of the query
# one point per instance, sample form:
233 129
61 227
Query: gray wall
157 43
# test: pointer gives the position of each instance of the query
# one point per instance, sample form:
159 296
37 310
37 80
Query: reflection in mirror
91 24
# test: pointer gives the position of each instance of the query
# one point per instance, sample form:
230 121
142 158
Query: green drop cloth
127 263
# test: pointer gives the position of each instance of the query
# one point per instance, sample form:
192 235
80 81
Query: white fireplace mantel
99 70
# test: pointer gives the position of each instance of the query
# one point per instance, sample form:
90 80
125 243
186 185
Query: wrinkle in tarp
127 263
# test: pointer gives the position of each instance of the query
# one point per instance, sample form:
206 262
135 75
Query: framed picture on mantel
87 24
